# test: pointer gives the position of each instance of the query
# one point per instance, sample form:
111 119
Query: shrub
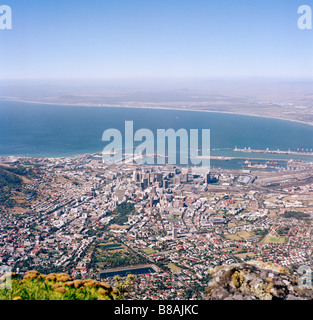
35 286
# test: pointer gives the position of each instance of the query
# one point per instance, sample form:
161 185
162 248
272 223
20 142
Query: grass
173 267
148 251
272 214
239 236
61 179
245 255
117 226
233 237
105 257
34 286
279 240
244 234
231 224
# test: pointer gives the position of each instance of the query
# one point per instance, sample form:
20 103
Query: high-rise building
158 176
174 233
144 183
136 176
177 179
207 178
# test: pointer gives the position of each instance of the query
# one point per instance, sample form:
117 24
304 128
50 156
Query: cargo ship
255 165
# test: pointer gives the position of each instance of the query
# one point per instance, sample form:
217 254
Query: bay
44 130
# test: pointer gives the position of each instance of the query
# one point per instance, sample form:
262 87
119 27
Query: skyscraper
207 178
174 232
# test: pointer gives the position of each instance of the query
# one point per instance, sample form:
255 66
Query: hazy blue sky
155 38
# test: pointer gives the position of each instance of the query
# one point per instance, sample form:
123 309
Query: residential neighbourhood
81 216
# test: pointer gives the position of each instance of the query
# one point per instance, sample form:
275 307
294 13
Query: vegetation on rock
60 286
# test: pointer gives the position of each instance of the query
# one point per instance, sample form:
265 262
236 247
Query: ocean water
56 130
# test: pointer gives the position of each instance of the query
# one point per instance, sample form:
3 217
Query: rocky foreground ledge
254 281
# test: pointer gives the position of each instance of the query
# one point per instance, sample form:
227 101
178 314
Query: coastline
156 108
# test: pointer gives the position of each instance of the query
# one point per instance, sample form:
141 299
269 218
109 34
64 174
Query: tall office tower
207 178
174 233
144 183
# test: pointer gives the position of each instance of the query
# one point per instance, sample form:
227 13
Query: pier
302 153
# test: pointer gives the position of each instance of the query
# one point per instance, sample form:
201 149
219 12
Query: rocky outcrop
254 281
